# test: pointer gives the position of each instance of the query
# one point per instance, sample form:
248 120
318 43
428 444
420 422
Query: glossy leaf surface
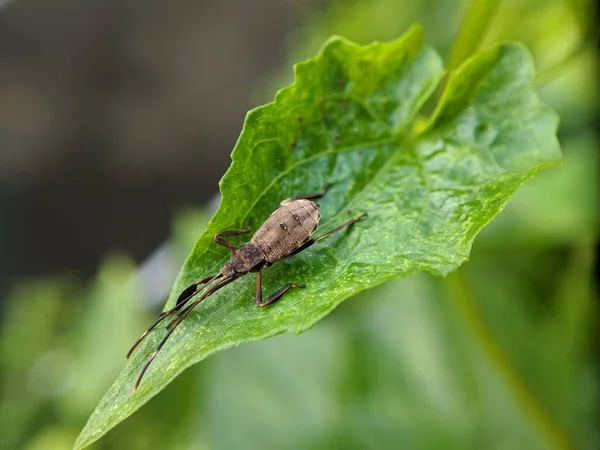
349 120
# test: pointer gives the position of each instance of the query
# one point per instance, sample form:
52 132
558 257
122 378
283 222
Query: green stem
477 22
466 306
472 31
549 73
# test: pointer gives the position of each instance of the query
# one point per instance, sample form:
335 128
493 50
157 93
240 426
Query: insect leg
313 196
219 236
184 297
176 322
275 296
336 229
188 293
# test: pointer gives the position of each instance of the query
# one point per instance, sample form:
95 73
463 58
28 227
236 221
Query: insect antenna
177 321
185 296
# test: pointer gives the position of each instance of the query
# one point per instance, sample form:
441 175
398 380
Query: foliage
500 355
347 120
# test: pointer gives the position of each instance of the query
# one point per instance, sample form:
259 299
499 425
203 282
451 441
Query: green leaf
476 24
348 119
411 374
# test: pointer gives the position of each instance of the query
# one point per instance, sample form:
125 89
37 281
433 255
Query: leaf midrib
332 151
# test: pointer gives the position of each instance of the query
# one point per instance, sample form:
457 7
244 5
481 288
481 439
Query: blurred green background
502 354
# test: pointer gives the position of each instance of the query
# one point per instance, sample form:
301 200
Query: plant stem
491 349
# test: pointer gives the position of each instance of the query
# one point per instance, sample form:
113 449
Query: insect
284 234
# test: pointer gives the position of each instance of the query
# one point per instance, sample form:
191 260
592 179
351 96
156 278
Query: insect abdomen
288 227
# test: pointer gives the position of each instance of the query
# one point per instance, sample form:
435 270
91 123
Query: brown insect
285 233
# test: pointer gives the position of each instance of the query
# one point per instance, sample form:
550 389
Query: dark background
116 113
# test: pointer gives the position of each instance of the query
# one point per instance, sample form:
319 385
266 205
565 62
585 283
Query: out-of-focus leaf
110 303
545 345
186 226
557 208
401 366
347 120
475 25
25 381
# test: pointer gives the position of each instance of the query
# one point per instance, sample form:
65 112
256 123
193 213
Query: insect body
285 233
